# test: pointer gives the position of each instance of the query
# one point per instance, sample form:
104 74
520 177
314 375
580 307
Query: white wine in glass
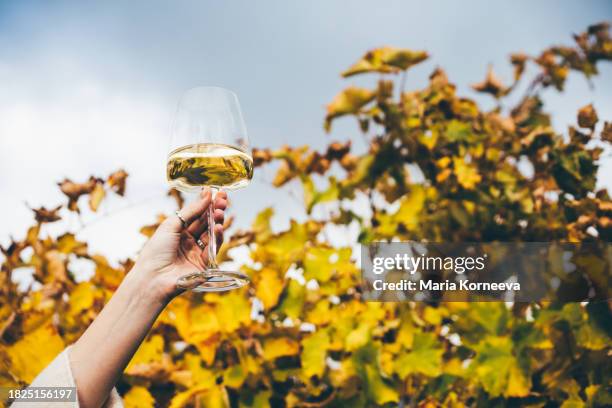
209 148
209 164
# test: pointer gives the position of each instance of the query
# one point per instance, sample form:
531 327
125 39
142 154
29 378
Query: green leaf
293 300
386 60
349 101
322 263
457 131
378 390
424 358
314 352
313 197
498 370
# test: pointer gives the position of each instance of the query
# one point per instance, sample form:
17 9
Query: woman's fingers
219 235
199 226
189 213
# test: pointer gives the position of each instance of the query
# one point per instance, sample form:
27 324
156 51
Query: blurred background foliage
437 169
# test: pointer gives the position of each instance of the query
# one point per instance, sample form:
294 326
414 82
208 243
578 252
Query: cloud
49 130
88 88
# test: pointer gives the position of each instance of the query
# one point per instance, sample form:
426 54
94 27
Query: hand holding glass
210 148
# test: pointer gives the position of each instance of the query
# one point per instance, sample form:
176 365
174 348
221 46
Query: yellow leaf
82 297
314 353
232 310
518 384
349 101
67 244
106 275
261 400
283 174
34 352
234 376
192 373
285 248
149 351
443 175
181 399
358 337
138 397
408 214
425 357
345 377
197 325
203 396
467 175
269 287
96 196
386 60
443 162
427 139
261 224
278 347
378 389
323 263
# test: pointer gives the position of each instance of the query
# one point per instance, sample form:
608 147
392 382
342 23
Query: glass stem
212 241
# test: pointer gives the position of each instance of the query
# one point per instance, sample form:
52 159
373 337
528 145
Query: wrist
146 288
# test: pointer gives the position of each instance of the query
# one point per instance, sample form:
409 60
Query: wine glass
209 147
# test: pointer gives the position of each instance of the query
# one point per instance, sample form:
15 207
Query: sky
90 87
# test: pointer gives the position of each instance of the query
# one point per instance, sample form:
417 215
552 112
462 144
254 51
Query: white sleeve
59 374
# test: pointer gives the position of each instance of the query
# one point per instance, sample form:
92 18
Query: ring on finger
201 244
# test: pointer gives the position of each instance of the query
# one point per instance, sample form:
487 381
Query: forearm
101 354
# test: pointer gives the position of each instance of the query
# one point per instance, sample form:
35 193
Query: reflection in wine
209 164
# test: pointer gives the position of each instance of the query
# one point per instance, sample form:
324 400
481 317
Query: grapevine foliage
437 168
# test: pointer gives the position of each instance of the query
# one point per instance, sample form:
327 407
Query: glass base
212 280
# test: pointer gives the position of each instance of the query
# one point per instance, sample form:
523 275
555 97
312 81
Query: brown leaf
526 109
283 174
587 117
178 197
43 215
438 78
502 123
555 70
127 264
315 163
337 150
117 181
491 85
12 253
75 190
349 162
606 133
518 60
604 206
600 30
261 156
55 266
